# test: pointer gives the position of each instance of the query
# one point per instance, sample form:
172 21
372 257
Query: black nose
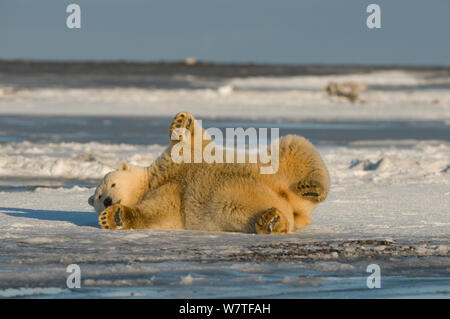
107 202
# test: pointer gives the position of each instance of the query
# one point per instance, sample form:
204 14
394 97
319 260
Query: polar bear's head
126 185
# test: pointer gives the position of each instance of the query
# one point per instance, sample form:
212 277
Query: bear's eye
113 185
99 196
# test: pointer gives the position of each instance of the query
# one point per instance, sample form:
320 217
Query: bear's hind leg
301 163
243 205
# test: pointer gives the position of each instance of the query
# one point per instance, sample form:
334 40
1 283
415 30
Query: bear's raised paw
180 126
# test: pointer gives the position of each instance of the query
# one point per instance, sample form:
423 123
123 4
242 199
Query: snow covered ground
389 203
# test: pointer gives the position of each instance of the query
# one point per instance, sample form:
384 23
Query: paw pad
271 222
112 218
180 124
310 189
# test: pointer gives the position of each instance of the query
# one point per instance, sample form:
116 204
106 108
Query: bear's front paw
181 125
272 222
311 190
115 217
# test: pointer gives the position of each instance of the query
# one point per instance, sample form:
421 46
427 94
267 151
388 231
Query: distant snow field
391 95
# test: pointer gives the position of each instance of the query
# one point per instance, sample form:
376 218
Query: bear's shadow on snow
74 217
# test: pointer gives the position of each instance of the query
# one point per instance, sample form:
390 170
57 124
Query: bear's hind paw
272 222
311 190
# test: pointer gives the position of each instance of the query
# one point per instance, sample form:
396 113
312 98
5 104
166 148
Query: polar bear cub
232 197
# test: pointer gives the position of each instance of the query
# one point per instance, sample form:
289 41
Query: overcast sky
414 32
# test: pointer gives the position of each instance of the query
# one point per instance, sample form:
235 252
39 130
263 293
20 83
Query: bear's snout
107 202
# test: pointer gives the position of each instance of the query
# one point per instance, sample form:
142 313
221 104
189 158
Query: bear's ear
91 200
123 167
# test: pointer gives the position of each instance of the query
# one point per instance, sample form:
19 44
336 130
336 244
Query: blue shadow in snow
77 218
